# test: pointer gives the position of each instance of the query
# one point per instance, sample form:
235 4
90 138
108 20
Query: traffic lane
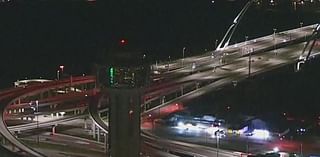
187 149
235 143
294 34
270 61
149 151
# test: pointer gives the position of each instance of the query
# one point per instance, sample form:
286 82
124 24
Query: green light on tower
111 74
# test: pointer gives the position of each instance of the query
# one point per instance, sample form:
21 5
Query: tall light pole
61 70
58 74
36 112
169 63
274 38
216 44
37 106
61 67
183 51
301 24
301 152
247 145
249 58
217 136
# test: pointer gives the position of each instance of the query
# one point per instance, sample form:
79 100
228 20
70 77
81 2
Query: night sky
37 36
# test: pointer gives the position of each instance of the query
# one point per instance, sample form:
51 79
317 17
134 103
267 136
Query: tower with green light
122 79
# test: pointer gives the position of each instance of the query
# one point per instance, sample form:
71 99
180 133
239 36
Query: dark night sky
37 36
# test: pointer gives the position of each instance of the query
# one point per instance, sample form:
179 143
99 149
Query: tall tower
122 79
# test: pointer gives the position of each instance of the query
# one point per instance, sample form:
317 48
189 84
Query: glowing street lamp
61 67
274 33
60 72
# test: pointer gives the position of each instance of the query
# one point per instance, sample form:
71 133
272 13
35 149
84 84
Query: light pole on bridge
249 58
217 134
301 24
183 51
275 41
58 74
305 36
36 110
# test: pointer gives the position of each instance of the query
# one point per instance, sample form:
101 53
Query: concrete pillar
93 127
98 134
13 147
106 143
57 115
124 122
3 140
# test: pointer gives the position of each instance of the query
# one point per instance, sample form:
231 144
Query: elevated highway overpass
209 75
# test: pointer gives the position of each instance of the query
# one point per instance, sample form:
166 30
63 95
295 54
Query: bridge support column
124 122
13 147
98 134
93 128
3 140
106 143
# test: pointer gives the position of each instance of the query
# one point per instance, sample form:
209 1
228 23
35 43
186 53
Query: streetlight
301 24
37 114
61 70
61 67
36 110
249 58
274 33
169 63
274 38
301 152
58 74
247 145
216 44
217 133
183 51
